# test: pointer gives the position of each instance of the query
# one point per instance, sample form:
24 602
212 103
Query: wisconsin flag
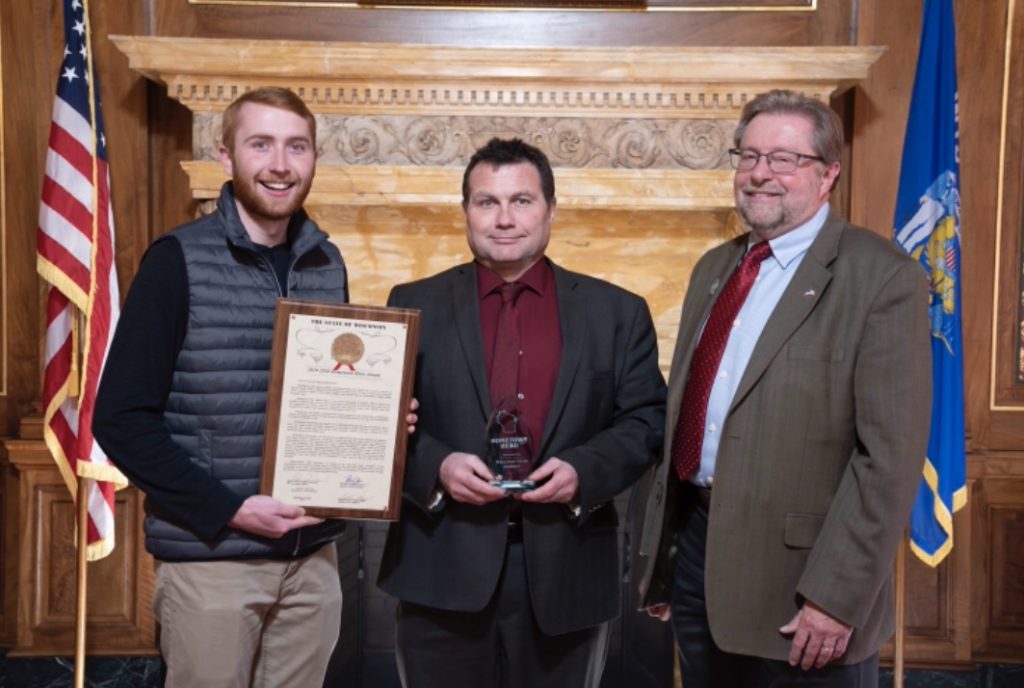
927 226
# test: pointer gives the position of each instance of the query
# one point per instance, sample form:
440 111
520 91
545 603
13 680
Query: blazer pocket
812 353
600 398
802 530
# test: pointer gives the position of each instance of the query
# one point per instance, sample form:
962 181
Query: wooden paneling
982 66
125 110
120 585
8 552
998 558
880 112
829 25
937 623
26 69
1008 351
26 72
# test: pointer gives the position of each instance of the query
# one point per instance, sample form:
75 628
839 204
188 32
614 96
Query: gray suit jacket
821 452
606 419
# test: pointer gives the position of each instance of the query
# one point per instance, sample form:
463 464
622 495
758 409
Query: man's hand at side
817 637
268 517
466 479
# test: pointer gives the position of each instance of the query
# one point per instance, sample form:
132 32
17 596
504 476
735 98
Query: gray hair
828 128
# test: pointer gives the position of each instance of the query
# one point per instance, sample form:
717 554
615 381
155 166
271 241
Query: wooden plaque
341 378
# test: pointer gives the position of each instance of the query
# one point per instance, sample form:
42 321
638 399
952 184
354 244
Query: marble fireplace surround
638 139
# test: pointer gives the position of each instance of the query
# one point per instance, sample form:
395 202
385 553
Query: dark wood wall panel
1007 530
1007 426
126 120
8 553
27 103
829 25
983 34
880 115
27 62
119 596
998 592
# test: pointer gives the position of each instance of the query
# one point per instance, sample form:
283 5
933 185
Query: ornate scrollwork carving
364 140
633 144
698 144
433 141
450 140
568 142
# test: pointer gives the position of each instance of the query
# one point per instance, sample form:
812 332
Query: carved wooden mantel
363 78
638 137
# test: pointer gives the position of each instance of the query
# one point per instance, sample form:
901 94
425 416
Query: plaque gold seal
347 349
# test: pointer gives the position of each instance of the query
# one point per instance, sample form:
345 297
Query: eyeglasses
780 162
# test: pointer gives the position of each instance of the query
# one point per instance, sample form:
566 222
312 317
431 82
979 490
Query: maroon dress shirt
540 337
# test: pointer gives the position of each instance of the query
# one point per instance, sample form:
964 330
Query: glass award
509 450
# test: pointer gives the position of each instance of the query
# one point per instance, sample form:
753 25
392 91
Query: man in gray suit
516 589
797 426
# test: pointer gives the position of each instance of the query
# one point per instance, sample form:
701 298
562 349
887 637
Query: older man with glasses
797 425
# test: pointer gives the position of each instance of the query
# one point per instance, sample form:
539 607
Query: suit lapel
466 307
572 319
800 298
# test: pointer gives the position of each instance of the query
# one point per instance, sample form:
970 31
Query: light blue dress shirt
788 251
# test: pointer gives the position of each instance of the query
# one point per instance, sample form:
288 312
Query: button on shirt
776 273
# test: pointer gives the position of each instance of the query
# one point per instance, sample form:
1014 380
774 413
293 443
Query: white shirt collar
789 246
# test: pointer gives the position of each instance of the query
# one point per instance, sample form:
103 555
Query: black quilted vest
215 409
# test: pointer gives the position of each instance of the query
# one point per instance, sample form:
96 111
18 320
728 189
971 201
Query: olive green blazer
821 453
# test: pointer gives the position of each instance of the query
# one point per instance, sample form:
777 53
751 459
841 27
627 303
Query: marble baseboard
145 672
985 676
100 672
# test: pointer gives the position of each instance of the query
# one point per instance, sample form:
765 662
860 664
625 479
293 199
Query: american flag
75 244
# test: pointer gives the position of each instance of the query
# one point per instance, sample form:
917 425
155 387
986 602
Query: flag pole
81 580
901 579
81 607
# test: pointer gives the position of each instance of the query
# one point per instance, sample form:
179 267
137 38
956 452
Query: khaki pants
262 623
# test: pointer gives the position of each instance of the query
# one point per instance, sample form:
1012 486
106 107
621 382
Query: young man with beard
247 589
797 426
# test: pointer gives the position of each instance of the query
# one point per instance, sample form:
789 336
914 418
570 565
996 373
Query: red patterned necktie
504 376
693 411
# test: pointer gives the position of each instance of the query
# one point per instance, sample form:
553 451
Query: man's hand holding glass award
509 450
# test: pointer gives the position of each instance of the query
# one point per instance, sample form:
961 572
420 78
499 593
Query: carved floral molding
698 144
